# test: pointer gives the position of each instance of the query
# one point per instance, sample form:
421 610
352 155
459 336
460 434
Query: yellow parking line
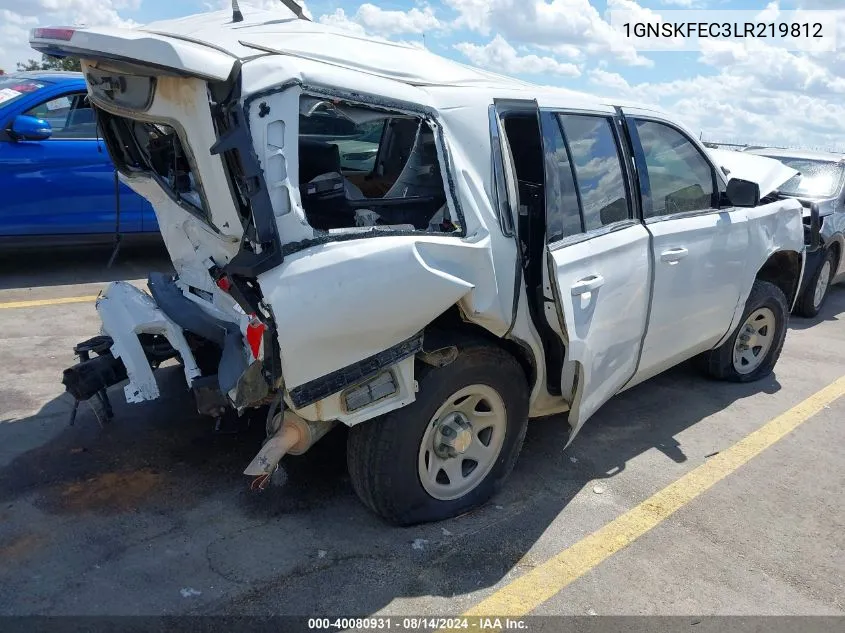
35 303
529 591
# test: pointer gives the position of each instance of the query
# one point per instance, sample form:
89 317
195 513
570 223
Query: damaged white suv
369 234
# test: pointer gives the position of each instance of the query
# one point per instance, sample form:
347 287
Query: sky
745 92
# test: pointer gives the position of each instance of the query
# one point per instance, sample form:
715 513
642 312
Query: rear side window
680 178
563 217
598 169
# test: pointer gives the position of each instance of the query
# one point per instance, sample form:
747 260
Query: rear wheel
451 449
814 295
753 350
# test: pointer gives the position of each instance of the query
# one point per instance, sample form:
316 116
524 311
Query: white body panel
699 266
755 168
603 290
125 312
383 291
341 299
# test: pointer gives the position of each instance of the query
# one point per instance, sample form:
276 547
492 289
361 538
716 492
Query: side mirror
743 193
30 128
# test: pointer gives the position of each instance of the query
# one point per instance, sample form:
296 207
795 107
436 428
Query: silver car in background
822 181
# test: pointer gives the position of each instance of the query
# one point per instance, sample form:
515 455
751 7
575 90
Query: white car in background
514 252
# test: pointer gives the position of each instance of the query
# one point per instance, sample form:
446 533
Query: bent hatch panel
136 47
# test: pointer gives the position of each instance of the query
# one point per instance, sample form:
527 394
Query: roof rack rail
237 16
297 10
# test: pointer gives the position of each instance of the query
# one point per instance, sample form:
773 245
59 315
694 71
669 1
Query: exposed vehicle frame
537 250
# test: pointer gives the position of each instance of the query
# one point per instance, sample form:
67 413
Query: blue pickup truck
57 182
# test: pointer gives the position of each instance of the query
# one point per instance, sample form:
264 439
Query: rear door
64 185
598 254
699 249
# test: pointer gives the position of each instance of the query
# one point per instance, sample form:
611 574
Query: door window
598 169
680 178
563 216
71 116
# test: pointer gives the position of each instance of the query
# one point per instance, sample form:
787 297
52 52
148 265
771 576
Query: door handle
587 284
674 255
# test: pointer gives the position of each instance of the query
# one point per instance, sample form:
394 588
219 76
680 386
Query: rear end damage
289 291
184 144
177 135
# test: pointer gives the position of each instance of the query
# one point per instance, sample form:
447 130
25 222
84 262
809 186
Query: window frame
73 95
626 165
642 170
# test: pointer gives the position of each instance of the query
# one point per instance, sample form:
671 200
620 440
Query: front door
699 250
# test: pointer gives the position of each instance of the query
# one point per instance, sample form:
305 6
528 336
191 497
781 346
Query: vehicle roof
279 31
797 153
50 76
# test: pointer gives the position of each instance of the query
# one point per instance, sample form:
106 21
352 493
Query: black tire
806 306
382 454
718 363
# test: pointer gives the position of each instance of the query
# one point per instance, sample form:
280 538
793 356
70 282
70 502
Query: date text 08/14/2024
419 623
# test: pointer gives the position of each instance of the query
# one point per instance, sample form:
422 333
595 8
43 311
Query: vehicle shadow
832 310
74 265
307 547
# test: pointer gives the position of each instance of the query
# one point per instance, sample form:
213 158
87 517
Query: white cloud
555 25
472 14
340 20
774 68
770 13
500 56
370 19
736 108
385 22
18 16
604 79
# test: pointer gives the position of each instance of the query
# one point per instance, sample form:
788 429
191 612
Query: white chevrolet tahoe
365 233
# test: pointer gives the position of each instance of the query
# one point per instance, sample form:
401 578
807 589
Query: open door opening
522 130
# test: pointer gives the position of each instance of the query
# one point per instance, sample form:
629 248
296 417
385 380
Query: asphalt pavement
149 514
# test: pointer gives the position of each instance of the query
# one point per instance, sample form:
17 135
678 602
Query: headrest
316 158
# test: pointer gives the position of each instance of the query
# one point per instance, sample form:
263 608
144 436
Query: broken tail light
255 335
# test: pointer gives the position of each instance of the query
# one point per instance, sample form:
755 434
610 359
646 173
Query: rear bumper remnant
127 312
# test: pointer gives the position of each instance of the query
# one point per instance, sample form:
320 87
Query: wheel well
836 249
784 270
450 329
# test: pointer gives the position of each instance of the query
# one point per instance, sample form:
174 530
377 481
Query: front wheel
451 449
812 299
753 350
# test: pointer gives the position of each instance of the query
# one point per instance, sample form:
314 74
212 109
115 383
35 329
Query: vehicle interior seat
321 184
331 201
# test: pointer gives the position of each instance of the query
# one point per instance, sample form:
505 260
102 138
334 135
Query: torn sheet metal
126 312
766 172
